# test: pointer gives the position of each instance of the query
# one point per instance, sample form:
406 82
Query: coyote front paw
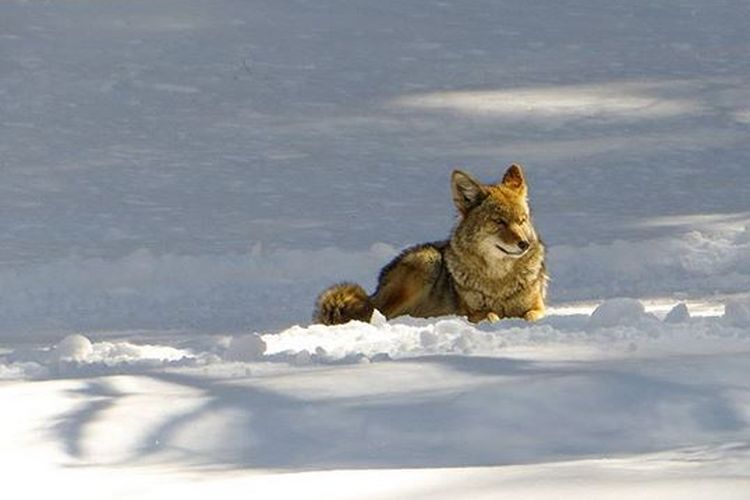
492 317
534 315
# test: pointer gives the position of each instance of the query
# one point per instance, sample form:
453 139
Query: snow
626 100
246 348
618 312
562 405
737 312
678 314
74 348
181 179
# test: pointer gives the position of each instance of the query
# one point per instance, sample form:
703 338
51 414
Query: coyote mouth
512 254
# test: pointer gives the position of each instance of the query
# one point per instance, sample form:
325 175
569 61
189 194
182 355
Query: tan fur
492 266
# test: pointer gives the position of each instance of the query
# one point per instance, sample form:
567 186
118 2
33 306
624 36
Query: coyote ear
467 192
514 179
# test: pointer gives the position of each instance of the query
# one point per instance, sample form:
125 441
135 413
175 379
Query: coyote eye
524 219
501 222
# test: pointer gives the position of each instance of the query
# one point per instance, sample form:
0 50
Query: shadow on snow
516 412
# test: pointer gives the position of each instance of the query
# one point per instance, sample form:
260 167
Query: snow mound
74 348
617 328
616 312
698 260
245 348
76 354
737 312
115 353
678 314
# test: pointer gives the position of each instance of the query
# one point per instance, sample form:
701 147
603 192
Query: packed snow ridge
617 327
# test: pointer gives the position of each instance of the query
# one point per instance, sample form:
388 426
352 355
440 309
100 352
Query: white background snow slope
179 179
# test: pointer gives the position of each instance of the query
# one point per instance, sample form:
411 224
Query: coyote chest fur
491 267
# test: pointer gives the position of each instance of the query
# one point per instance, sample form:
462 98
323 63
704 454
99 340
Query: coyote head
495 220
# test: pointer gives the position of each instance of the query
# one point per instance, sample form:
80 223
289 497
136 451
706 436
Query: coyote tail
341 303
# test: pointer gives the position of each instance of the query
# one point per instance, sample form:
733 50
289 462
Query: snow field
181 178
614 402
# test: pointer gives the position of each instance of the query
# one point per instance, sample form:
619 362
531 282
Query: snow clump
246 348
737 312
678 314
615 312
74 348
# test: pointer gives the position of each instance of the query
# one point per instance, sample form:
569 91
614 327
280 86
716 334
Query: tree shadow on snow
70 429
515 412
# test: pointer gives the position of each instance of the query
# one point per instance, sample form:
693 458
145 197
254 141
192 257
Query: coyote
491 267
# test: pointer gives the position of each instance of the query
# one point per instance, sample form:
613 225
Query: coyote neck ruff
483 288
491 267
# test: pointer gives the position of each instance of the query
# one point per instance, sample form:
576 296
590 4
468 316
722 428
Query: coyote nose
523 244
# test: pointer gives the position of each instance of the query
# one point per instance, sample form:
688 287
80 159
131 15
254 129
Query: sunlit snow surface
179 179
618 400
